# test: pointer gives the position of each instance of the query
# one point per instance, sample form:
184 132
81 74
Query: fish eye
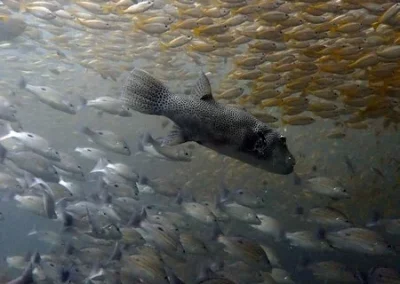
88 150
241 192
101 133
51 264
43 89
240 241
160 229
79 167
71 105
283 139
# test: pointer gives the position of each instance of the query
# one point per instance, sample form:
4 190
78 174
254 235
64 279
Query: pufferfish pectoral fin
202 89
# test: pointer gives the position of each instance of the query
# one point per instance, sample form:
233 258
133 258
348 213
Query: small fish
123 170
32 142
213 126
328 217
328 187
153 148
107 104
331 271
108 232
68 163
91 153
308 240
108 140
269 226
32 163
243 249
197 211
359 240
48 96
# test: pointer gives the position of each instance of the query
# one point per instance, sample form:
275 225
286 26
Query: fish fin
35 258
163 46
140 145
33 231
10 131
299 210
82 103
216 232
148 139
375 25
3 153
136 218
174 137
22 83
321 234
297 179
100 166
202 89
144 93
375 220
304 261
86 130
179 197
117 252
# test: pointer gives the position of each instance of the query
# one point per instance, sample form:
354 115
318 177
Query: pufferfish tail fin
144 93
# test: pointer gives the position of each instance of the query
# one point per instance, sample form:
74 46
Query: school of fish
233 76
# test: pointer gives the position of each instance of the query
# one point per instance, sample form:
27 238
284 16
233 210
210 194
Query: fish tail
163 46
33 231
100 166
22 83
137 218
9 130
22 6
83 103
216 232
107 8
375 25
144 93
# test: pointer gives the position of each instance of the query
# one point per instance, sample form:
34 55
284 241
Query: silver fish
107 104
91 153
32 163
68 163
108 140
33 142
125 171
49 96
153 148
360 240
328 187
229 131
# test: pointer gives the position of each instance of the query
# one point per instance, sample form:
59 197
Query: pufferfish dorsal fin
202 89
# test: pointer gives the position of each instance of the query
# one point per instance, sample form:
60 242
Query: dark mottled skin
229 131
